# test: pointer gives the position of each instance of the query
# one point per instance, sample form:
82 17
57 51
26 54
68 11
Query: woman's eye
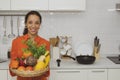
30 22
37 23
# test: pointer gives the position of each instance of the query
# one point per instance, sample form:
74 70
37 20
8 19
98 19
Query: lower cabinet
68 74
113 74
97 74
3 74
80 74
73 74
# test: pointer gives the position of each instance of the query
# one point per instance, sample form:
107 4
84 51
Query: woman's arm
14 49
13 54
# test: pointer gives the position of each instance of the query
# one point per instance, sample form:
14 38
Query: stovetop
115 59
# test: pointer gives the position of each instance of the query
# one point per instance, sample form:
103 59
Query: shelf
113 9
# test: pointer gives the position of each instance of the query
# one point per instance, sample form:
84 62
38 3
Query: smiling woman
32 25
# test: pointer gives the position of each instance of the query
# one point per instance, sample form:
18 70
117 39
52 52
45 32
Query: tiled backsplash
82 26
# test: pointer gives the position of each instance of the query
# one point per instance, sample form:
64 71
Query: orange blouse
16 52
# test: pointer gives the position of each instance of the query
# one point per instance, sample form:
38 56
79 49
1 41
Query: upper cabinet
4 4
43 5
29 4
67 5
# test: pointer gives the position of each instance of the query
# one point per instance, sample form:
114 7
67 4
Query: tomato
29 68
21 68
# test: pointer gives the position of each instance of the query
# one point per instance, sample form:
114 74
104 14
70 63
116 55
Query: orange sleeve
14 49
48 46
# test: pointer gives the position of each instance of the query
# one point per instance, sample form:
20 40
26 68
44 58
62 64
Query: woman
32 25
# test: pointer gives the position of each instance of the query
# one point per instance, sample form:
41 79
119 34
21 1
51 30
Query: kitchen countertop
102 63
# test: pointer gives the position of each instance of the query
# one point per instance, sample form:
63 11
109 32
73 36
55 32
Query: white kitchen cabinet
68 74
4 4
3 74
97 74
29 4
67 5
79 74
113 74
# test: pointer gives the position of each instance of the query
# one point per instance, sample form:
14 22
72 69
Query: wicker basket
30 73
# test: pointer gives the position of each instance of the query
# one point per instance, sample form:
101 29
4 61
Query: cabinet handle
68 71
98 71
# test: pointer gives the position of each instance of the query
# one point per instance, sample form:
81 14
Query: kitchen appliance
115 59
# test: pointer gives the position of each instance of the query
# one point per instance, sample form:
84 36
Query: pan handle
69 57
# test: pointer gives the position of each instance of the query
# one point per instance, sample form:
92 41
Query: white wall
82 26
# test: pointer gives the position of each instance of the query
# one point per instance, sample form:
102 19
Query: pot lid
83 49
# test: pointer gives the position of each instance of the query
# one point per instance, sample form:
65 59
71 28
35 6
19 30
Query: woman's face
33 25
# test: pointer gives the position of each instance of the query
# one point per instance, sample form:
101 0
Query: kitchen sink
115 59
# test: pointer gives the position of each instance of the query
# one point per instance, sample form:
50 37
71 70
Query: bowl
85 59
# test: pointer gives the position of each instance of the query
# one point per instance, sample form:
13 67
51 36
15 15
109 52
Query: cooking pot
85 59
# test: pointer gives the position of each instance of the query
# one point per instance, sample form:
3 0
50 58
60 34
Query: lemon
40 65
47 60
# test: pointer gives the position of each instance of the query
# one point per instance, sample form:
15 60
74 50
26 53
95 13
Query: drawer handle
68 71
98 71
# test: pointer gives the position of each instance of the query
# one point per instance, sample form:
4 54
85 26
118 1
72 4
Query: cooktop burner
115 59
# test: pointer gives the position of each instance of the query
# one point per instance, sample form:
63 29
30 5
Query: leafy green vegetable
36 50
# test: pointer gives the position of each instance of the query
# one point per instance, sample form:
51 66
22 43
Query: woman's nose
33 25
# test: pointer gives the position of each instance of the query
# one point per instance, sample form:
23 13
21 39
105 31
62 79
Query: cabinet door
29 4
97 74
3 74
4 4
71 5
68 75
113 74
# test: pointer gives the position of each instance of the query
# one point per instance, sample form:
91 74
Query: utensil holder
96 53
